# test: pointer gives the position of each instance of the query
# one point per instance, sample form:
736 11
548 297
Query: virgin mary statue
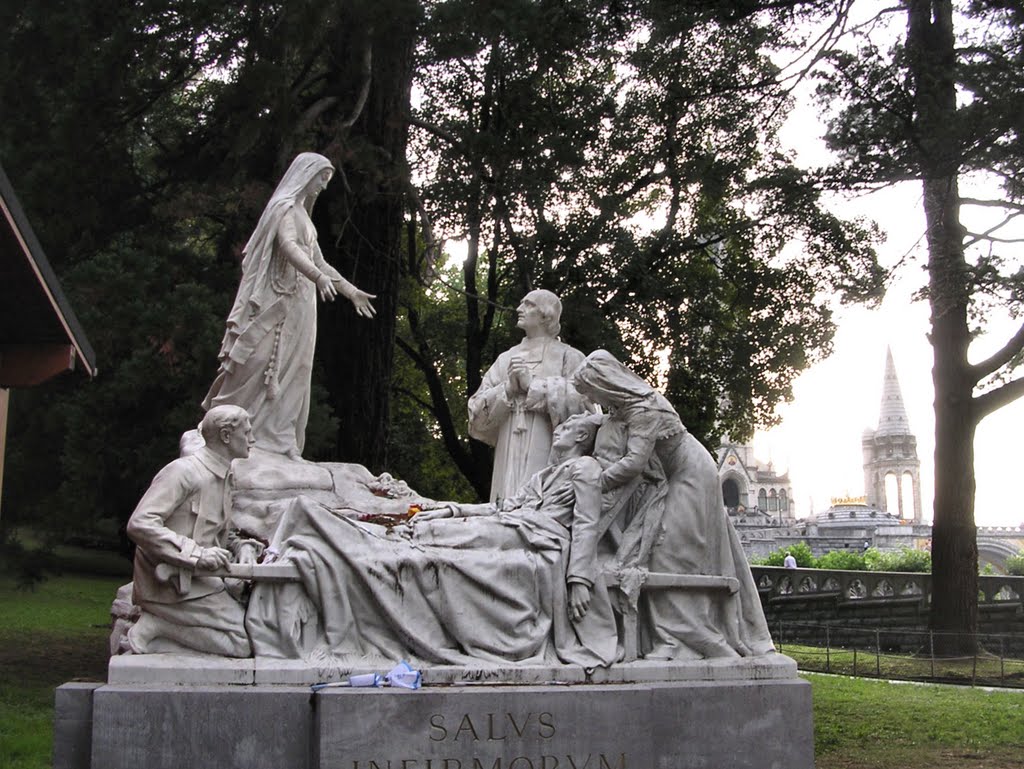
266 358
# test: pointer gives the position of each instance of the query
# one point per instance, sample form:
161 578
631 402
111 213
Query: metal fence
902 654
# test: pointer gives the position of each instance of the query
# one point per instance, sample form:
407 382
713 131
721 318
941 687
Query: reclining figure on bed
461 584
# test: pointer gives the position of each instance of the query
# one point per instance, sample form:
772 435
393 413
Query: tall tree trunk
954 536
932 57
366 211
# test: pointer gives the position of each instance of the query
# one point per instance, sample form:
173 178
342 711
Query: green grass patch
72 559
50 635
67 604
869 724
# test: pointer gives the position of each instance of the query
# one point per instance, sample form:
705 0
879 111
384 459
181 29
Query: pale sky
836 400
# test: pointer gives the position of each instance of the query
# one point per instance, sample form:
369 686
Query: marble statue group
597 487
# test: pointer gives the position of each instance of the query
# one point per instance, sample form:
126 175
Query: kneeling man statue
182 526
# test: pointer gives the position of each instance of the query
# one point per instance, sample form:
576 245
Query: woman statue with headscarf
686 532
266 358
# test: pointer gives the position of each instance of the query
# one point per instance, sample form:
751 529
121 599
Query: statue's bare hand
432 515
579 601
213 558
361 302
518 377
326 288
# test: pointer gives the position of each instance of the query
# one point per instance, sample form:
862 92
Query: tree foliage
872 559
904 559
625 156
622 154
155 136
848 560
1015 564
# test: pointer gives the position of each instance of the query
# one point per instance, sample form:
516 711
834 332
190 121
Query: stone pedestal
699 720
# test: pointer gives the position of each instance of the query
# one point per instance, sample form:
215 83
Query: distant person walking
790 561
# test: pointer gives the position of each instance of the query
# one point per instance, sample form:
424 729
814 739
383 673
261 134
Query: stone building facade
890 455
753 492
887 519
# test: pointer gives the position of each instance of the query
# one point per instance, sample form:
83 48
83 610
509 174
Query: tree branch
978 237
319 107
420 356
992 204
817 50
1013 347
432 248
364 90
993 400
975 237
436 130
410 394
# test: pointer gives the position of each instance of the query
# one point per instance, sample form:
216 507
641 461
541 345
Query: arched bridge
997 543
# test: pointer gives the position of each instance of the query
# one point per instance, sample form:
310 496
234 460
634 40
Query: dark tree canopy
165 128
622 154
625 157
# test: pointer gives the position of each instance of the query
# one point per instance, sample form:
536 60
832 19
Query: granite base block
716 724
684 725
201 727
188 669
72 725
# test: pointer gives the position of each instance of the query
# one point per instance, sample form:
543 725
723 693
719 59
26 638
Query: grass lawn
868 724
58 633
48 636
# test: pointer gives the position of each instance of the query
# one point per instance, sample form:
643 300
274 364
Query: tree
849 560
155 135
78 158
622 154
1015 564
904 559
941 106
626 158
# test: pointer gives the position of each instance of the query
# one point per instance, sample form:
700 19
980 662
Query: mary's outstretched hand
326 288
361 301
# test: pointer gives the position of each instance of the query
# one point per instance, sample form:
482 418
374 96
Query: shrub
904 559
800 550
851 560
1015 564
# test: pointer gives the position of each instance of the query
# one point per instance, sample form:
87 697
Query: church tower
890 454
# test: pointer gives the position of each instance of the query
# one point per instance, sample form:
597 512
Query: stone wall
887 609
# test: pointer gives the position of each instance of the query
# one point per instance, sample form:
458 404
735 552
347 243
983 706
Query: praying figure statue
525 395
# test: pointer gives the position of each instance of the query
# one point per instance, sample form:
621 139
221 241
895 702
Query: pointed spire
892 419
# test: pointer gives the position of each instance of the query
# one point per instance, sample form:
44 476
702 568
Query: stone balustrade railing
774 582
1002 531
